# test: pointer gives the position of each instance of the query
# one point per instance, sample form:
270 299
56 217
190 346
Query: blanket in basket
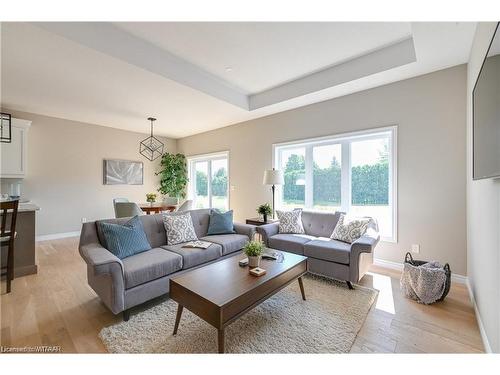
425 283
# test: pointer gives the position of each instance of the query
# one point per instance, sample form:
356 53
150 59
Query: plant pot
171 200
264 217
254 262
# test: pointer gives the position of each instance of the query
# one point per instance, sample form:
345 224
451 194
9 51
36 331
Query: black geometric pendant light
151 147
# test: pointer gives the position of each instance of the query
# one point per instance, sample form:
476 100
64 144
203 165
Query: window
327 188
354 173
209 181
293 161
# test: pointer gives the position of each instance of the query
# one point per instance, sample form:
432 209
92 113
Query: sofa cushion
179 228
229 242
290 221
124 240
150 265
221 223
192 257
319 224
293 243
349 229
327 249
201 218
152 224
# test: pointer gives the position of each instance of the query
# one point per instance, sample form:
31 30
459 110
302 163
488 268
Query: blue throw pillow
221 223
127 239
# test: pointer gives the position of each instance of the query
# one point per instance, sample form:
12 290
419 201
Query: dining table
156 208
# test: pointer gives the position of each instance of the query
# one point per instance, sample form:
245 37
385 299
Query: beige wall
430 114
483 213
65 171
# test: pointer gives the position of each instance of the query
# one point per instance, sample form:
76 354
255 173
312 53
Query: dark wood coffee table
221 292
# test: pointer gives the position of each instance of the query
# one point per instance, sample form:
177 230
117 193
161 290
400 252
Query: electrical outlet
415 248
84 220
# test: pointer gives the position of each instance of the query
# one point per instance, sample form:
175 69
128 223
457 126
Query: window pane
293 166
327 177
201 184
219 184
370 182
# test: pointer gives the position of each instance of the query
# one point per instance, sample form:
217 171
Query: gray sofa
128 282
336 259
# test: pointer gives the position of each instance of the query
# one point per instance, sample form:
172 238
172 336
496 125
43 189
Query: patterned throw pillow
179 228
350 229
290 221
125 240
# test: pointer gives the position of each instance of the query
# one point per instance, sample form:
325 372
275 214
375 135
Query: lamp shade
273 177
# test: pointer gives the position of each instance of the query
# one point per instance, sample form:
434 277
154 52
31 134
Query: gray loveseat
336 259
128 282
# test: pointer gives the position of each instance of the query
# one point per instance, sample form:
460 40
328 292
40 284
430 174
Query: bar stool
7 237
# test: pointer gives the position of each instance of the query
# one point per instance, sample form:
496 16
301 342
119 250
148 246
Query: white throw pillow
179 228
290 221
349 229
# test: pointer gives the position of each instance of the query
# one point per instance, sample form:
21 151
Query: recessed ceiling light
229 69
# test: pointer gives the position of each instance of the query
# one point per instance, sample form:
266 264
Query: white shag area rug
327 322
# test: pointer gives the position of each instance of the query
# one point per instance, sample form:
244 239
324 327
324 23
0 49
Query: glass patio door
209 182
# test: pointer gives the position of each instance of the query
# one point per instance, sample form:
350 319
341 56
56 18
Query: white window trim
346 188
207 157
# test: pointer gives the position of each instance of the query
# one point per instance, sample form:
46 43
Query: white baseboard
388 264
460 279
486 343
56 236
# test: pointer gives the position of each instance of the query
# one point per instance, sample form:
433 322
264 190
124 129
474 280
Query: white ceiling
263 55
119 74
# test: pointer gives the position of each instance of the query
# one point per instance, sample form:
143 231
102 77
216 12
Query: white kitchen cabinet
14 154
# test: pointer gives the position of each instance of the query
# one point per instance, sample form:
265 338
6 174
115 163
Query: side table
257 221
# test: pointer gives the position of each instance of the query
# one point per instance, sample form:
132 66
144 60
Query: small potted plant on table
151 198
264 210
254 250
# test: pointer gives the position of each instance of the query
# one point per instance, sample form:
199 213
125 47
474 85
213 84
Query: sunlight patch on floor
385 300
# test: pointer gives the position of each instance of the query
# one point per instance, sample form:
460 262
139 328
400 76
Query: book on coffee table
197 244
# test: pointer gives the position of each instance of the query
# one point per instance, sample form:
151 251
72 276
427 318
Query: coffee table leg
220 340
302 288
178 318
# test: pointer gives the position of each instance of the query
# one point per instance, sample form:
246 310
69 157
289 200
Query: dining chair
8 209
118 200
187 205
127 209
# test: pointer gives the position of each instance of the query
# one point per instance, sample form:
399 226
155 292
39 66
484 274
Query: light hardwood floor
56 307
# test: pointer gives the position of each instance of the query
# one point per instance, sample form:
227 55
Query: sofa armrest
362 254
105 275
366 243
245 229
267 231
101 260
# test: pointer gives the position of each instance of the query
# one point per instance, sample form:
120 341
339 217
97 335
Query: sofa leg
349 285
126 315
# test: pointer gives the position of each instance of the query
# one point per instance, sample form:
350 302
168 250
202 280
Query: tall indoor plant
173 175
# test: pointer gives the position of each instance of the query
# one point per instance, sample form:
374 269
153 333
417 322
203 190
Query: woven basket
409 259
